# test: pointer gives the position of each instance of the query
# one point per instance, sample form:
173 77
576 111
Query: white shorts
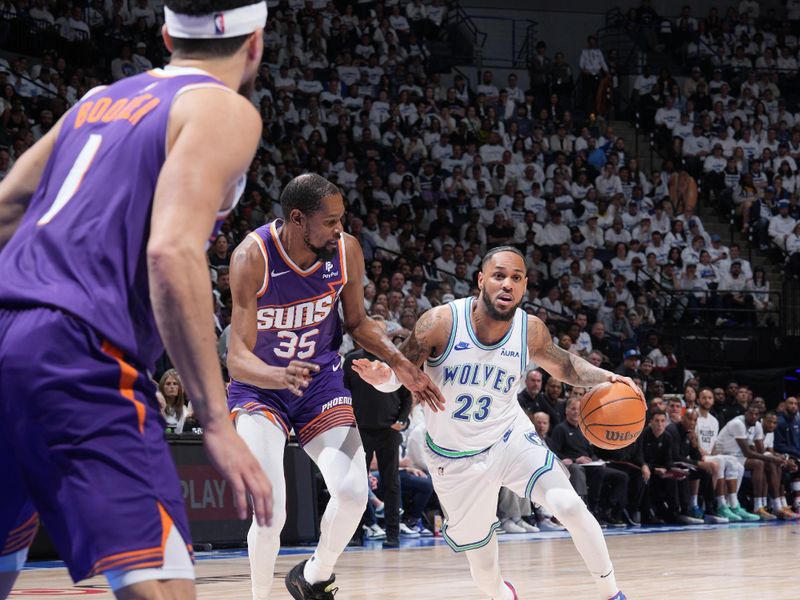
468 488
730 467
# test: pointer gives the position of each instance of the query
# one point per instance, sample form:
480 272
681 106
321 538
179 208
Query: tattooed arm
565 366
430 335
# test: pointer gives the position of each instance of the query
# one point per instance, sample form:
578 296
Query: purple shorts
326 403
82 448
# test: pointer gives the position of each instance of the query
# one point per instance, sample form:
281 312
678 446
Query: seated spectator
700 474
587 476
743 437
787 443
660 502
175 407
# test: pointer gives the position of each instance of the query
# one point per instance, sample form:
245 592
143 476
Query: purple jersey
81 246
298 316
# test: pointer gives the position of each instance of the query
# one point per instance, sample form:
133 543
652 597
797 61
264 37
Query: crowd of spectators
732 123
689 463
436 169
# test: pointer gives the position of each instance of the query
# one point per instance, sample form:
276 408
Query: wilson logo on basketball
619 436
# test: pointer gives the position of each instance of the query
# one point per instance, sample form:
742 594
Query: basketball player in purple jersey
103 225
287 281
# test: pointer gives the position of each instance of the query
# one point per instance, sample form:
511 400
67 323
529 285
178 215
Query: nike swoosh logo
338 366
277 274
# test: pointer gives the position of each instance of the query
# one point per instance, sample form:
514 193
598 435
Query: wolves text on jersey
480 375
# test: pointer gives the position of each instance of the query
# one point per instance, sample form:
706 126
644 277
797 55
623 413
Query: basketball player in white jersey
476 350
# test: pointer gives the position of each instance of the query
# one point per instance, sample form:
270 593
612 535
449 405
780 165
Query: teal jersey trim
440 359
473 546
446 453
524 347
547 466
474 337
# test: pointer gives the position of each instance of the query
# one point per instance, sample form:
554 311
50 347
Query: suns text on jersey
295 316
481 375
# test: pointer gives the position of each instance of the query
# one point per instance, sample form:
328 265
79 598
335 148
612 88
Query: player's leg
484 566
758 472
340 457
773 474
468 490
266 441
531 470
735 469
92 445
18 517
554 492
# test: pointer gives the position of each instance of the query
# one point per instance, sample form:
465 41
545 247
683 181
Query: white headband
223 24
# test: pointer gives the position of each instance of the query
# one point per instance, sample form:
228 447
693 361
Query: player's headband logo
224 24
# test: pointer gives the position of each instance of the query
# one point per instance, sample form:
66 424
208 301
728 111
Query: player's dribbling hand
629 381
297 376
233 459
418 382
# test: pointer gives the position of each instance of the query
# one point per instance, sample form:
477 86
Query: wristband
392 385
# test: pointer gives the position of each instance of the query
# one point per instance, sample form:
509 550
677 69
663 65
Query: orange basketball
612 415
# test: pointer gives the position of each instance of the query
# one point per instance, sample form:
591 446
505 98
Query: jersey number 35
297 346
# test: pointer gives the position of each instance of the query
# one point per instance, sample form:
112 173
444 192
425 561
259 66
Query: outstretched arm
565 366
371 336
429 336
215 134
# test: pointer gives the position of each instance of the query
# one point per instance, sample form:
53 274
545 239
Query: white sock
484 565
340 457
782 501
721 502
757 503
763 500
776 504
266 441
733 500
556 494
694 501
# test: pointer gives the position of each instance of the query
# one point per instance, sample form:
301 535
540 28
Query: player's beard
496 314
322 253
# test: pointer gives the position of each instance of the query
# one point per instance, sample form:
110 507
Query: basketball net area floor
732 562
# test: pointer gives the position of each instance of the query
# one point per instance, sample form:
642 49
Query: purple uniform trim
298 319
82 441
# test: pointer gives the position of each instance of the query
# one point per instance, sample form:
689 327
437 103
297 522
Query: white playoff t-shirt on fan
707 430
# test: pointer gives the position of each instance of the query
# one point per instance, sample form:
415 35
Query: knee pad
566 505
353 492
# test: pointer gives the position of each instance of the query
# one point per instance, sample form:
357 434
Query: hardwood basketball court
730 562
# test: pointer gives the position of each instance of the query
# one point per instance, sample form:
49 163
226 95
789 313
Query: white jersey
480 384
707 430
737 429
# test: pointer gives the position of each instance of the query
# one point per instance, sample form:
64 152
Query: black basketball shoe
300 589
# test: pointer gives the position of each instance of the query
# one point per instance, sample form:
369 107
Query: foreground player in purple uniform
103 225
286 280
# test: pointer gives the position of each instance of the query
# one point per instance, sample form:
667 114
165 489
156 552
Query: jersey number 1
74 178
302 346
